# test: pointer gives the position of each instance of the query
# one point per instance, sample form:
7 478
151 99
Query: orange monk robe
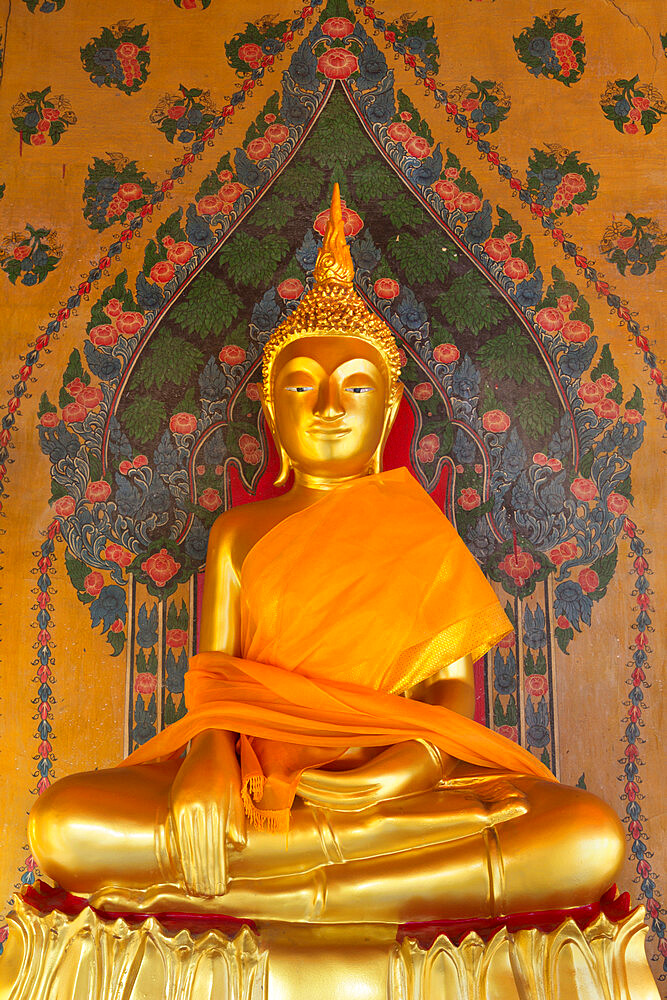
338 601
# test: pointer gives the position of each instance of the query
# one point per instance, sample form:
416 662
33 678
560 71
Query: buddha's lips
321 430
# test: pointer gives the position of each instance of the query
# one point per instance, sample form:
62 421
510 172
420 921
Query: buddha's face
330 405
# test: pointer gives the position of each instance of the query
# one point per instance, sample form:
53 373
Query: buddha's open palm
399 770
207 813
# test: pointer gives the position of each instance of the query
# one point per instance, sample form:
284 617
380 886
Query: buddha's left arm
451 687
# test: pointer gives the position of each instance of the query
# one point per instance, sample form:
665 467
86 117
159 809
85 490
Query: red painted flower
176 111
117 554
290 288
575 331
352 223
630 128
259 148
210 204
536 685
606 383
145 683
469 499
495 421
129 323
117 626
250 52
448 191
183 423
418 147
590 392
65 506
129 192
75 386
98 491
248 445
588 580
43 125
642 103
424 390
160 567
617 503
104 335
51 419
549 319
253 391
467 201
583 489
509 732
180 253
230 192
113 308
127 50
39 139
575 182
555 465
428 448
232 354
497 249
399 132
446 354
210 499
405 116
561 41
93 583
516 268
124 467
276 134
566 304
162 272
630 416
509 642
74 412
469 103
562 622
539 458
337 27
337 64
176 637
519 566
20 253
90 396
607 409
386 288
52 114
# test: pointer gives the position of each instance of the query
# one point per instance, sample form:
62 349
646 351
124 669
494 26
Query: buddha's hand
206 812
399 770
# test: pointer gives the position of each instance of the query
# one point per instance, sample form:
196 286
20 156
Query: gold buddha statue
328 768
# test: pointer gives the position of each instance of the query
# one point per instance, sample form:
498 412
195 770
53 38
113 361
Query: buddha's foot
84 956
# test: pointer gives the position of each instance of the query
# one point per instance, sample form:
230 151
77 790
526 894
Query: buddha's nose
328 401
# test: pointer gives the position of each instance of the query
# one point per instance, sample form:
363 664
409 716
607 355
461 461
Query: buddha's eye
299 388
360 388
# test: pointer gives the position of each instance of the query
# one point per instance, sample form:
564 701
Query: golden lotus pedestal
56 955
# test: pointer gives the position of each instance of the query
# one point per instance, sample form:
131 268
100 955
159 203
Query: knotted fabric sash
343 606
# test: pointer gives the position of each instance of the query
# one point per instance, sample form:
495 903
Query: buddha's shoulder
235 531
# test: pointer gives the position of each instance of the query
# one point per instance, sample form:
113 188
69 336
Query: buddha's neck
305 483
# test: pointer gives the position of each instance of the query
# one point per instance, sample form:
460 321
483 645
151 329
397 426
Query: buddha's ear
390 417
269 416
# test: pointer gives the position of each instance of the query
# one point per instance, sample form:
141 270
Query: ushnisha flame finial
334 261
333 308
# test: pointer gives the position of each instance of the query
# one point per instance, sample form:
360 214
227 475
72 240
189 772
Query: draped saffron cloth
339 603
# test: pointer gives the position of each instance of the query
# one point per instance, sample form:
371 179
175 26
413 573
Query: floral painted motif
560 181
553 47
40 117
192 4
631 105
185 116
112 189
30 255
258 44
118 57
44 6
639 243
414 38
485 101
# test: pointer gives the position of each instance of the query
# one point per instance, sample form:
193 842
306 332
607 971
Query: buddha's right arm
221 614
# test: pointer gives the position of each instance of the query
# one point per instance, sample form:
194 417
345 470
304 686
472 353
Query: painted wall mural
534 398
